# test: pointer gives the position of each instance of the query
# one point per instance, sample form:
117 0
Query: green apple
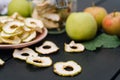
98 13
111 23
23 7
81 26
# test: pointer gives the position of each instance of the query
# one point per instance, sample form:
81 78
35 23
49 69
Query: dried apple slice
39 61
7 35
26 28
1 62
24 35
52 16
5 19
11 27
31 36
50 24
69 68
74 47
24 53
17 16
35 14
19 31
47 47
11 40
3 34
34 24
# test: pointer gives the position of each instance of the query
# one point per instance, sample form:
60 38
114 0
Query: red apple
111 23
97 12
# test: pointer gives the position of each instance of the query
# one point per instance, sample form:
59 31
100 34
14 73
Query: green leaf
90 45
104 41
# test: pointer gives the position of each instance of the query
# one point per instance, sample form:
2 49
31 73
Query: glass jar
54 13
4 6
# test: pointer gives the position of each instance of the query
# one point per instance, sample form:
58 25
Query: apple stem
93 3
114 12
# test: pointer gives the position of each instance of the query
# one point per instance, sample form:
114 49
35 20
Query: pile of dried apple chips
16 29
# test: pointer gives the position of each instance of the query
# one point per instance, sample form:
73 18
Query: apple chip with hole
11 27
24 53
39 61
35 24
47 47
69 68
11 40
74 47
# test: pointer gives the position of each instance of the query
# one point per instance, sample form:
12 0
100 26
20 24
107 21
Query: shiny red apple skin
97 12
111 23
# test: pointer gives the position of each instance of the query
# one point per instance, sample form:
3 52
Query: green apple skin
23 7
111 23
98 13
81 26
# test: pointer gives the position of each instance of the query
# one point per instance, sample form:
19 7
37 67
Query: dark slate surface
103 64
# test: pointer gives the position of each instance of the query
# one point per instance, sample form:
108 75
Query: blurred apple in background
81 26
23 7
111 23
98 13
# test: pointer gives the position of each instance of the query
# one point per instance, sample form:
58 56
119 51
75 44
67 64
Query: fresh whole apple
23 7
81 26
111 23
98 13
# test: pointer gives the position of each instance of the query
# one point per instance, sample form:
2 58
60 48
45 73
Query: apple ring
47 47
39 61
7 35
69 68
5 19
11 40
17 16
34 24
24 53
74 47
1 62
11 27
30 36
